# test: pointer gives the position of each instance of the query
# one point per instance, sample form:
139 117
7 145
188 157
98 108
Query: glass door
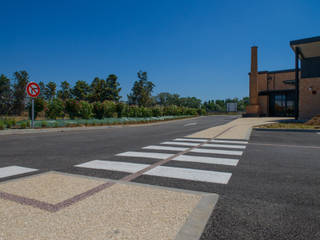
281 104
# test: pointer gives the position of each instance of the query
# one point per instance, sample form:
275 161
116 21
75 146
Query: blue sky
193 48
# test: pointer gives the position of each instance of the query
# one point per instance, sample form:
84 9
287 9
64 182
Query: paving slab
122 211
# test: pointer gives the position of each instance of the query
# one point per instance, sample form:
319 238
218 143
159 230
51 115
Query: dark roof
305 40
307 48
282 71
276 71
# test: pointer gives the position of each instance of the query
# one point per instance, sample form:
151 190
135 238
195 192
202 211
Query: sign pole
33 90
32 114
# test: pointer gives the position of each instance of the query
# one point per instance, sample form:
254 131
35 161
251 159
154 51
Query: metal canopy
308 47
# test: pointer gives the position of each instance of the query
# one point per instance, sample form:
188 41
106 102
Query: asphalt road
62 150
274 191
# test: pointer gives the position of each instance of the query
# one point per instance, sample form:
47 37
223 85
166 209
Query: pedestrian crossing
215 151
14 170
187 151
145 155
156 147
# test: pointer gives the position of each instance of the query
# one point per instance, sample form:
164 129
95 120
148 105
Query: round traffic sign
33 89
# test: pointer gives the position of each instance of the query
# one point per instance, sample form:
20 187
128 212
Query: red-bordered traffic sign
33 89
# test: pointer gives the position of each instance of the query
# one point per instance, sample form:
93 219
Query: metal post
32 113
297 52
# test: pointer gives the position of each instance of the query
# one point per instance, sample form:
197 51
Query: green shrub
7 122
157 111
39 106
24 124
122 109
85 110
2 126
172 110
98 110
191 111
132 111
202 112
110 109
44 124
55 109
72 107
145 112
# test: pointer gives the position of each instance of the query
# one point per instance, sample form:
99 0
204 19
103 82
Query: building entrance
282 104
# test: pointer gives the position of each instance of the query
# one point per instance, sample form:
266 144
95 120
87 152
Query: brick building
275 93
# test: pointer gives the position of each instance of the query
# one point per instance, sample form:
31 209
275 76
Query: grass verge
96 122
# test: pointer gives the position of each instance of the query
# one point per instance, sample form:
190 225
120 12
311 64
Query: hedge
108 109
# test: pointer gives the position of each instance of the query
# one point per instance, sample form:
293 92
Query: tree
166 99
55 109
39 105
209 106
141 91
98 90
21 81
5 95
65 92
42 90
190 102
50 91
81 90
112 88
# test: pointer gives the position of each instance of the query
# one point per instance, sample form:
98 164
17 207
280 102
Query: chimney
254 59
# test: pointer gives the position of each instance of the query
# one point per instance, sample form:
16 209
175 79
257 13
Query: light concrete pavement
237 129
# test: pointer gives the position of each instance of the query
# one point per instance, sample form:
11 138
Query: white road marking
155 147
223 146
181 143
114 166
190 174
191 140
215 151
210 160
228 141
189 124
14 170
146 155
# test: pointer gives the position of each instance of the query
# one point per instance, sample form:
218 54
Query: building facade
292 92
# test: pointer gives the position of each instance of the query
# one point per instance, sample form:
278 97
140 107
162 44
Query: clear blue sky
194 48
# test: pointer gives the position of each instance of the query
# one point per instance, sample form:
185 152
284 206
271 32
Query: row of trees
14 100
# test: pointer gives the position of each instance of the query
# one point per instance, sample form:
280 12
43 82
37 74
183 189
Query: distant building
275 93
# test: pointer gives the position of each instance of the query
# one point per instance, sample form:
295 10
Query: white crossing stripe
114 166
215 151
191 140
155 147
181 143
210 160
223 146
228 141
190 124
146 155
190 174
14 170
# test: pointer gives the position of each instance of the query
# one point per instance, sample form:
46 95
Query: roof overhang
308 47
269 92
